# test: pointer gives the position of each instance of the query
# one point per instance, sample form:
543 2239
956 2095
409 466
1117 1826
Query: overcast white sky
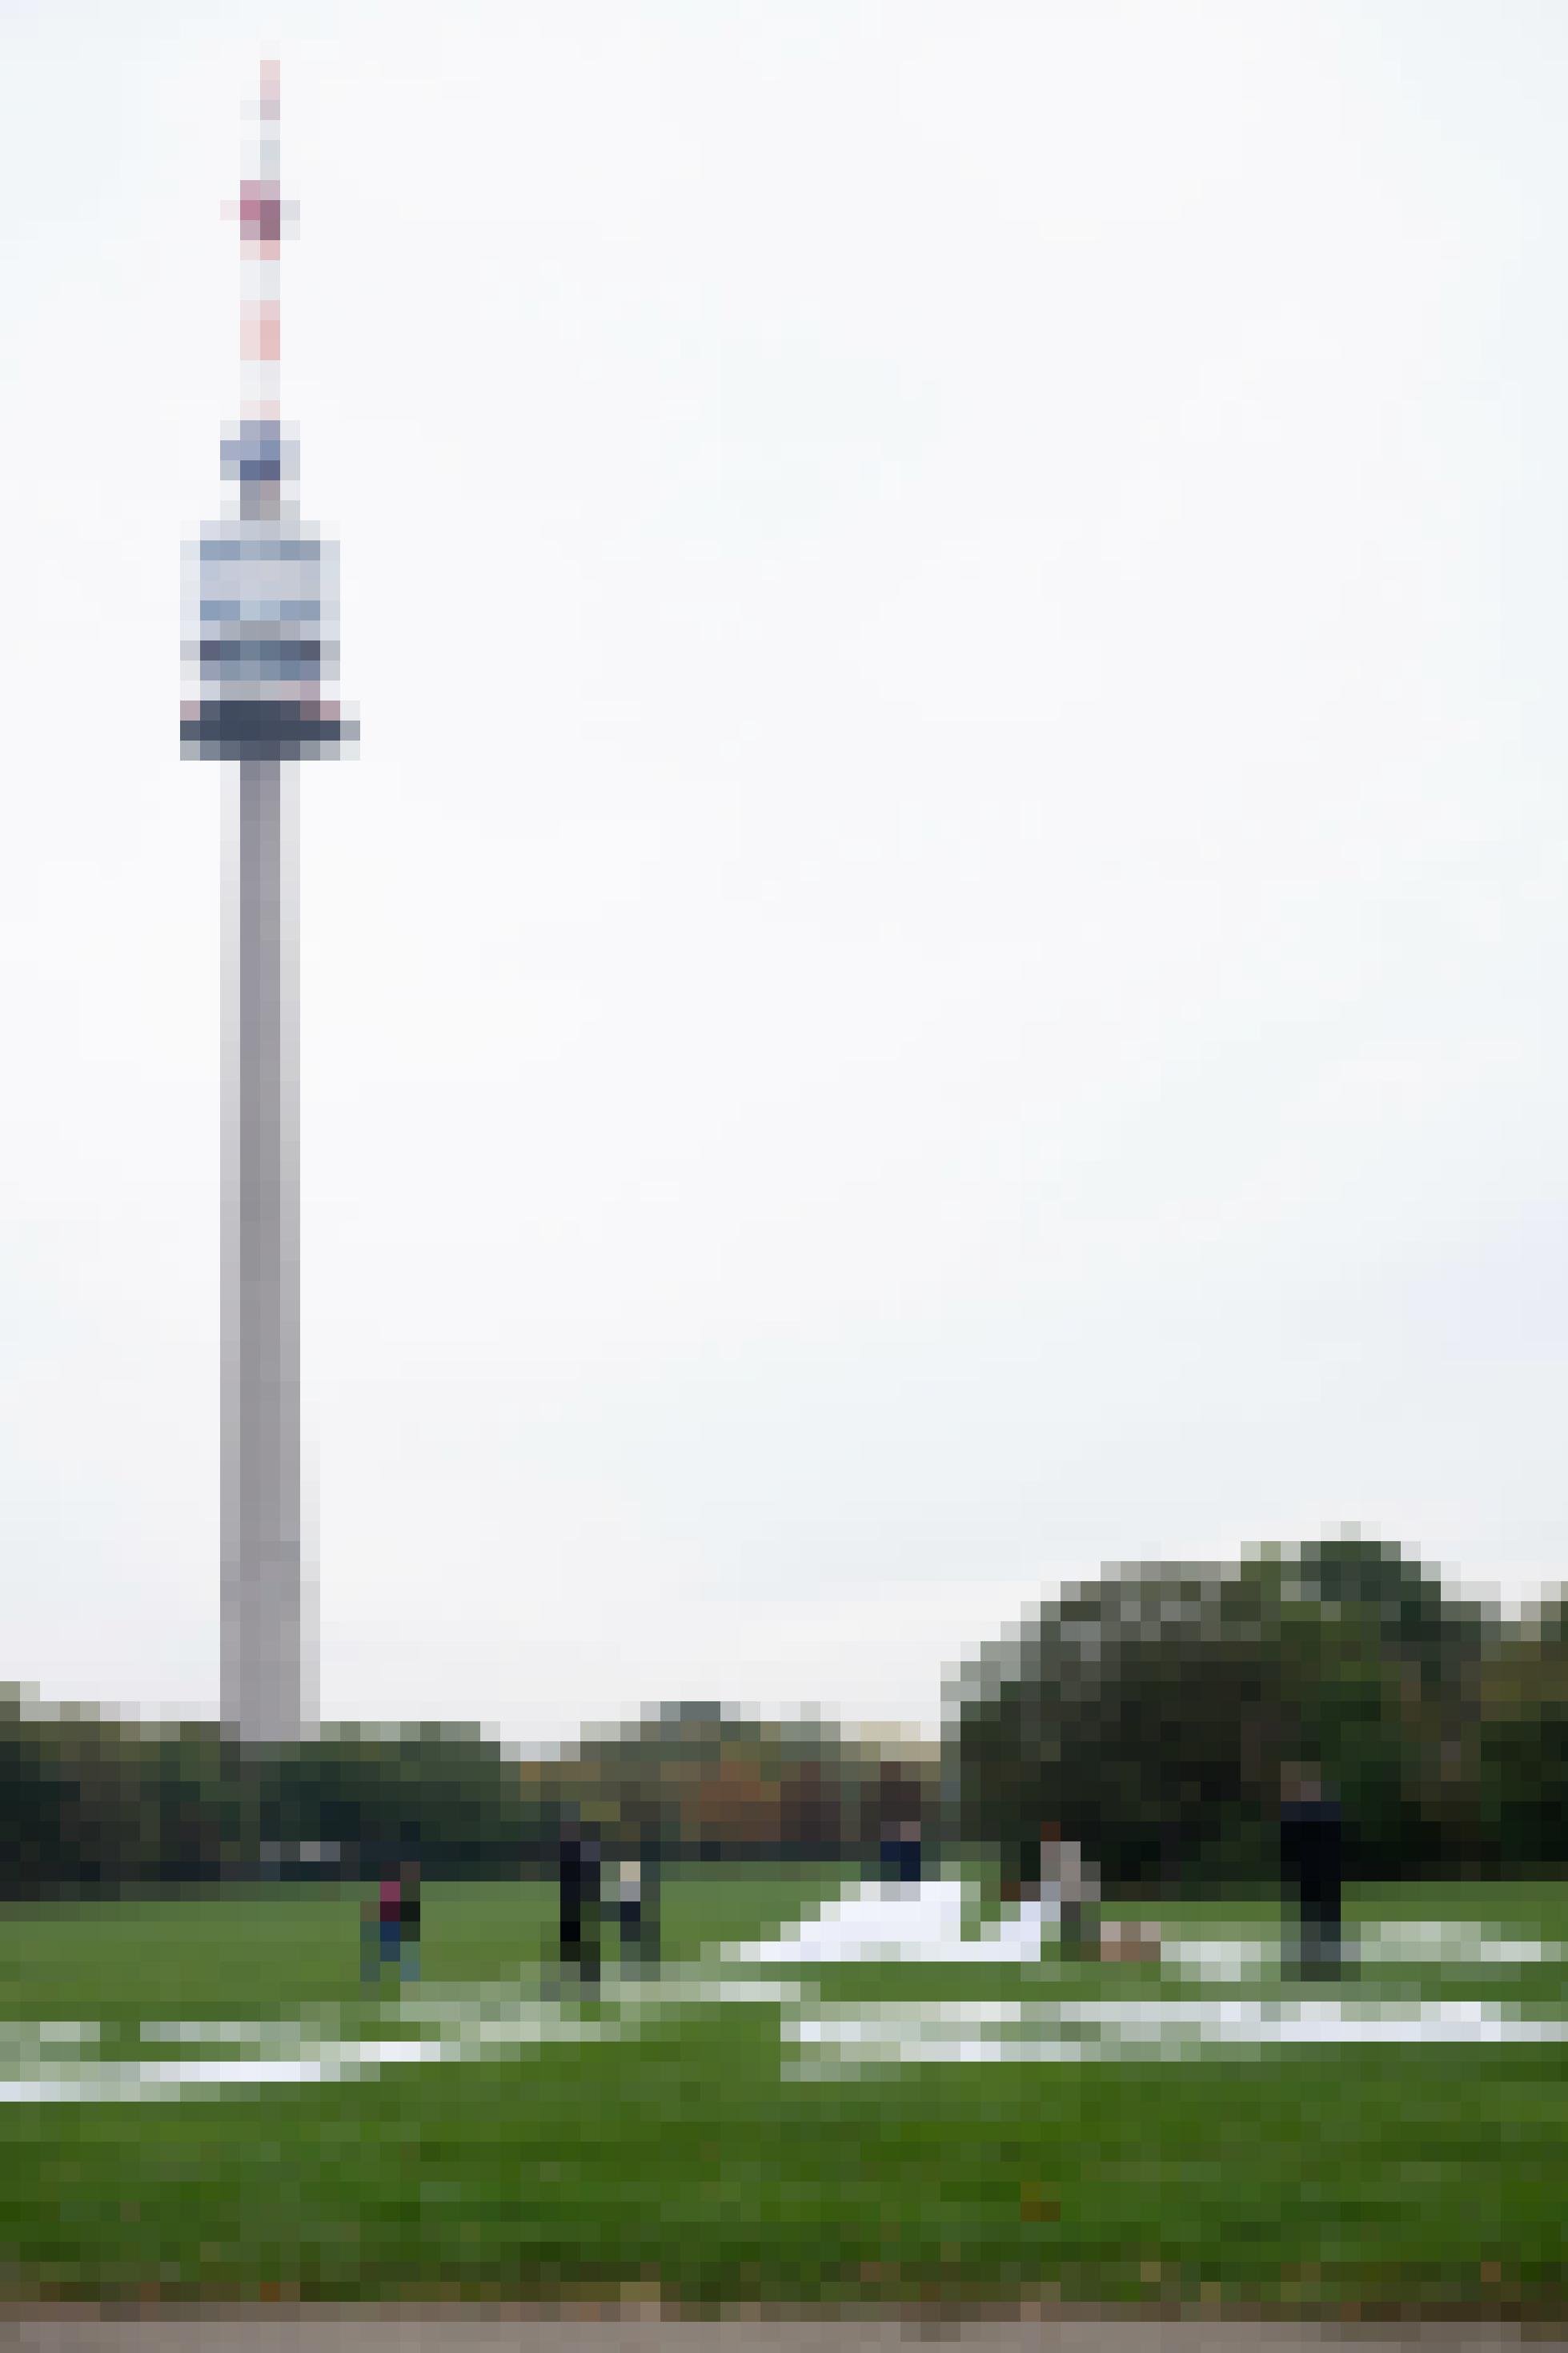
945 959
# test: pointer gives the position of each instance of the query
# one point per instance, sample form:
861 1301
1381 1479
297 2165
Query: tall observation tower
260 643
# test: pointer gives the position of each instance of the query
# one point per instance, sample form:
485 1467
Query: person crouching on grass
1073 1885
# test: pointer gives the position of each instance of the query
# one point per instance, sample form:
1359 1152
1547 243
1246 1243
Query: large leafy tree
1149 1712
1523 1742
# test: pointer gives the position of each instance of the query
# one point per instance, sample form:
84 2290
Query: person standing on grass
389 1910
1311 1866
648 1901
629 1908
409 1922
579 1861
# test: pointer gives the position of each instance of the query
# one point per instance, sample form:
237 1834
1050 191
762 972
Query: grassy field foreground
676 2143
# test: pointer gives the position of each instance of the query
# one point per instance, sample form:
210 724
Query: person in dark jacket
901 1854
579 1864
408 1921
389 1918
1312 1866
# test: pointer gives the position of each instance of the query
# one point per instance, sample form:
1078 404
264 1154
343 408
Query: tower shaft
265 1693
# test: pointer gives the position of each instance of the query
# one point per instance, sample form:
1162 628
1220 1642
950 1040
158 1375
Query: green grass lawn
688 2146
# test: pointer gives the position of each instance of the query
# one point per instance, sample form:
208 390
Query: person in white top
1074 1885
629 1908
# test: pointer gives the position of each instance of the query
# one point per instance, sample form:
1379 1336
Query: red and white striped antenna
263 218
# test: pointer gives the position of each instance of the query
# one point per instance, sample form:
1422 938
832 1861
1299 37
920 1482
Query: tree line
90 1802
1149 1712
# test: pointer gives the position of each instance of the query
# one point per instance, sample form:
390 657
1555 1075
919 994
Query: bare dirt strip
430 2328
